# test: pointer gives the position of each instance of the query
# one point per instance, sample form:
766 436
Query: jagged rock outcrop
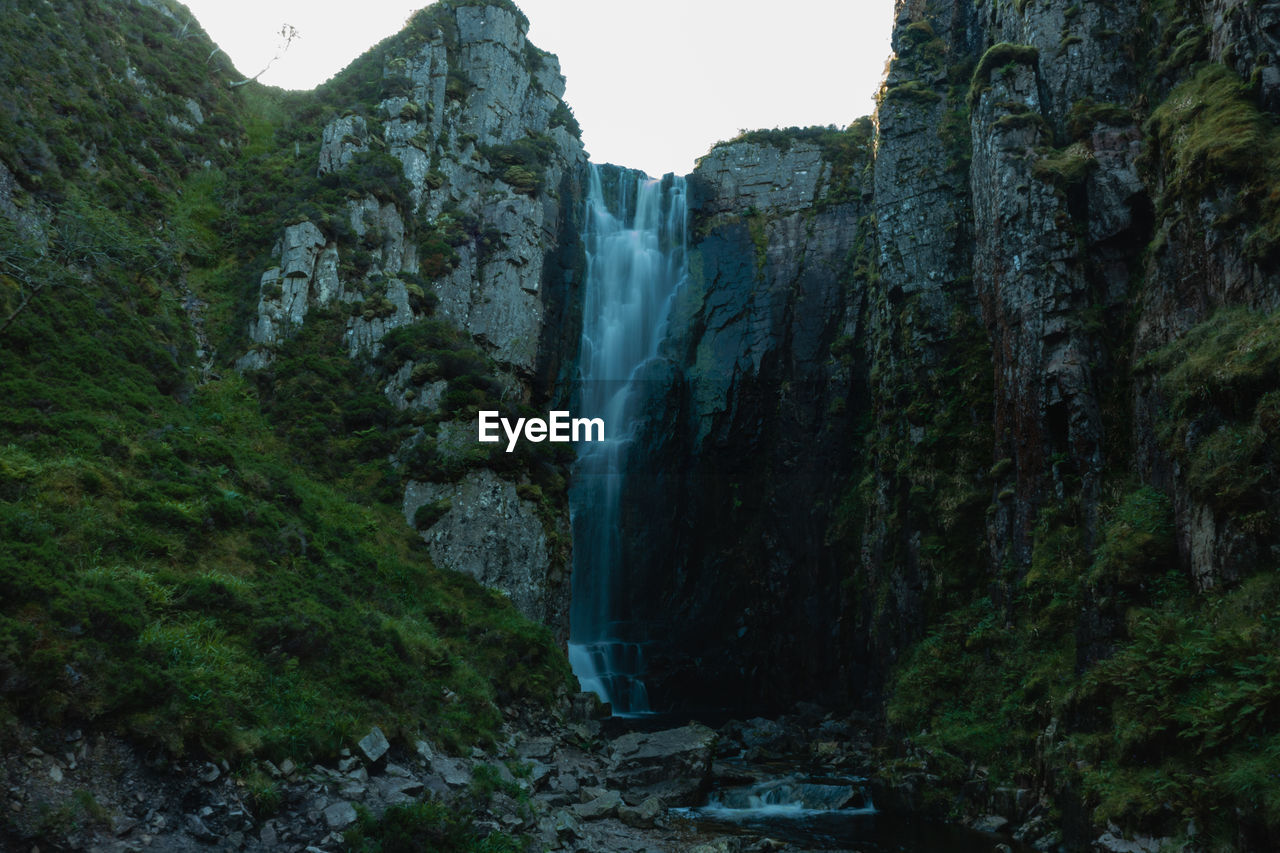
483 234
343 139
488 531
1246 37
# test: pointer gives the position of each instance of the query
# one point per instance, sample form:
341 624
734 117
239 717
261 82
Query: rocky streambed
575 784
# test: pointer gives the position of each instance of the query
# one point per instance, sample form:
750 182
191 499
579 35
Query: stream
825 813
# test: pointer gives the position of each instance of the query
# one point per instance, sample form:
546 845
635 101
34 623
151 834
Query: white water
791 796
635 245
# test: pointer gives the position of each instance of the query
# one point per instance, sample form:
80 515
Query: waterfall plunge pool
826 813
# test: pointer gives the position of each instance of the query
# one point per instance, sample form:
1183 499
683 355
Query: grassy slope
202 567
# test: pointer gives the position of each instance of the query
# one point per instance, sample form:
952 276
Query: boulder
674 764
642 816
1114 841
540 748
340 815
603 806
199 830
719 845
374 745
454 773
991 823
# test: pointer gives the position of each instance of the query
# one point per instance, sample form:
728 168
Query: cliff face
980 430
966 415
1100 265
480 232
753 425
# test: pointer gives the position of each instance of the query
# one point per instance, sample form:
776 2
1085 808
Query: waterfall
635 246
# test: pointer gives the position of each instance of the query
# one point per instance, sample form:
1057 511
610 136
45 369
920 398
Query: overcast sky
653 84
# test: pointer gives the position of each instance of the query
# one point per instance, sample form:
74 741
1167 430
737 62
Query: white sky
654 84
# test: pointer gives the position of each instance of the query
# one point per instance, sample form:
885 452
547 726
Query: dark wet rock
198 829
990 823
644 815
540 748
674 764
602 806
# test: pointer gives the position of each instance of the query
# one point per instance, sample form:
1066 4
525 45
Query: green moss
562 116
1064 167
1137 545
168 556
1208 134
999 56
1189 46
1021 120
521 179
912 91
918 32
1209 129
522 163
1220 416
428 514
425 826
1086 114
1187 716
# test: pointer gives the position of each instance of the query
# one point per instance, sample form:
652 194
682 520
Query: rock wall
727 540
957 326
484 236
1011 188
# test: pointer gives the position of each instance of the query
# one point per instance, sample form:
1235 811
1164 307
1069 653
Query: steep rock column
1028 273
1059 213
929 367
753 440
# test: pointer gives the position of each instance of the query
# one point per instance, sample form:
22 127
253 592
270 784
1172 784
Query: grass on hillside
221 568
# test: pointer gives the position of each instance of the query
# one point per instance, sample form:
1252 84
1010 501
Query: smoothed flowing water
635 238
822 813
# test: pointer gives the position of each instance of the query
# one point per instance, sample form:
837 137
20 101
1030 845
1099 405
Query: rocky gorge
953 471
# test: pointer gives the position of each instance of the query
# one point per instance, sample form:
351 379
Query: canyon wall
965 415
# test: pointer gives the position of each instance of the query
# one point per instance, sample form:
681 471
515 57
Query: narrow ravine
635 240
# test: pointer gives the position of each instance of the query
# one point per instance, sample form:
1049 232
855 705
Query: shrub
428 514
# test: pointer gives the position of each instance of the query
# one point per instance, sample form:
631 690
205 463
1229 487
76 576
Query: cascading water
635 247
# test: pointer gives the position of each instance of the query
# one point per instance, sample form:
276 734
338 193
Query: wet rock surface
745 389
566 786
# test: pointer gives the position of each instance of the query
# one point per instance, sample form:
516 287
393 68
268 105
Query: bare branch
288 33
26 300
